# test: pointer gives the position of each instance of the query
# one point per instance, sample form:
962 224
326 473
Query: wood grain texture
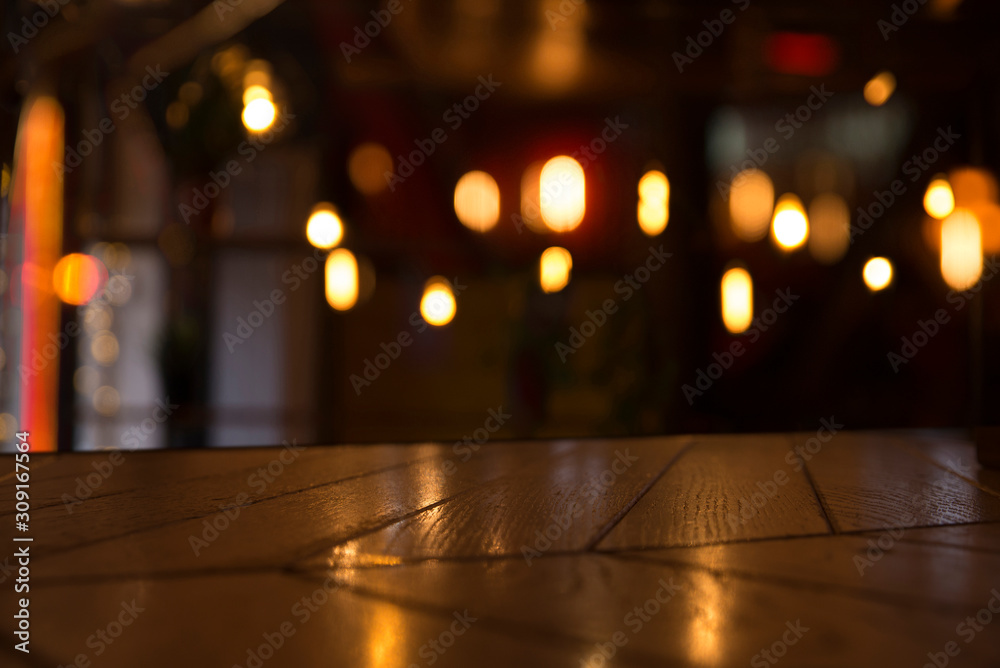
277 530
868 482
715 618
561 507
723 489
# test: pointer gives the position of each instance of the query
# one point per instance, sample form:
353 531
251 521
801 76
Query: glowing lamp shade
78 277
477 201
437 305
877 273
324 228
961 250
880 88
939 200
751 201
554 269
789 226
654 202
562 194
341 279
737 300
259 114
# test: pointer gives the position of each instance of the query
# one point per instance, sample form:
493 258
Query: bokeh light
737 300
477 201
324 229
554 269
106 400
961 250
437 305
341 279
789 226
829 228
562 194
653 210
751 201
259 114
880 88
877 273
367 166
77 277
939 200
104 348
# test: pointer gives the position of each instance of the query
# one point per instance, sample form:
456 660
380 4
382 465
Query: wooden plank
868 482
723 489
883 566
220 621
150 499
563 505
714 618
280 529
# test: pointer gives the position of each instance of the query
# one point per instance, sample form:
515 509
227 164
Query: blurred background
251 221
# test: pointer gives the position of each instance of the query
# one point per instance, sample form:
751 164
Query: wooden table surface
853 549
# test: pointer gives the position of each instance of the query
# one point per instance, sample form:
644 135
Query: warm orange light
437 306
961 249
367 166
341 279
877 273
77 278
751 200
789 226
255 92
259 114
829 228
939 200
562 193
477 201
654 202
554 269
880 88
971 185
737 300
324 228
